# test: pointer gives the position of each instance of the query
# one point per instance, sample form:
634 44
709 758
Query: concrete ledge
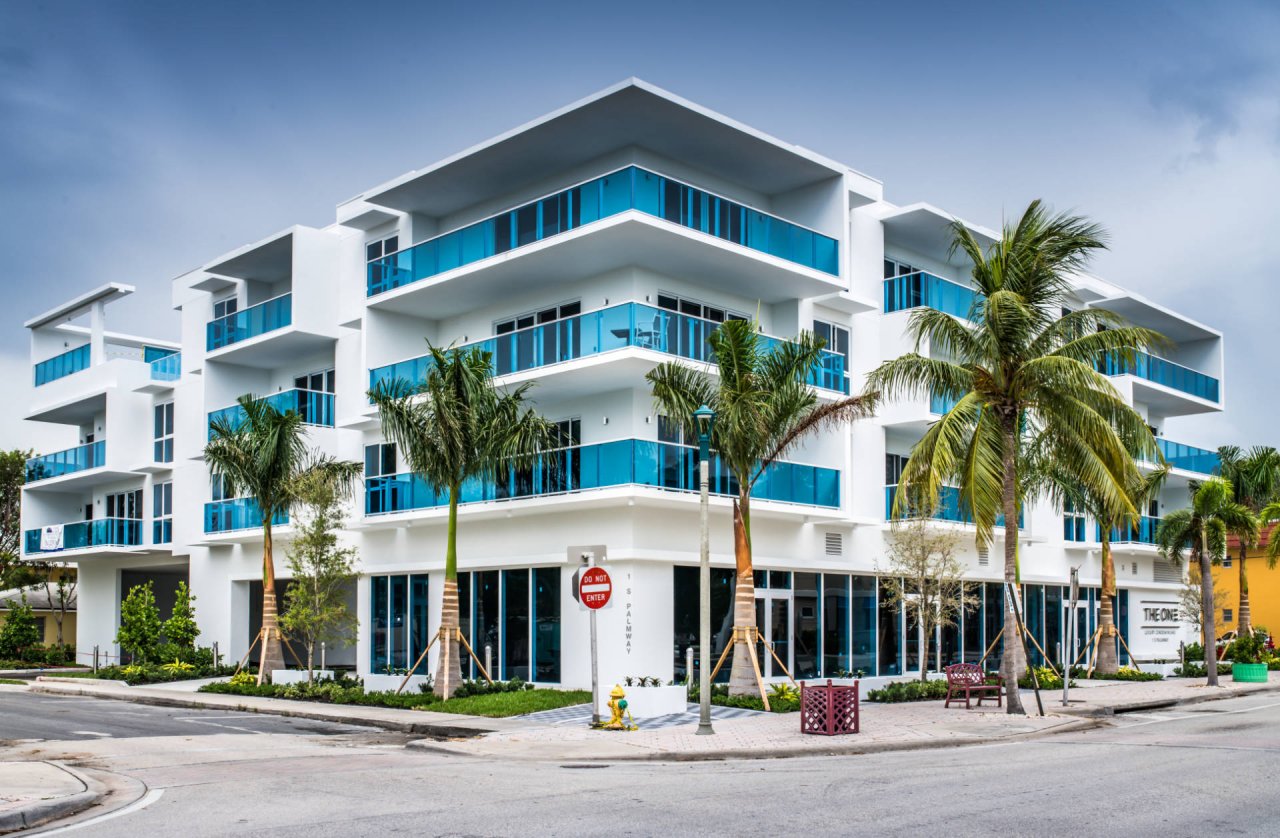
1209 694
42 811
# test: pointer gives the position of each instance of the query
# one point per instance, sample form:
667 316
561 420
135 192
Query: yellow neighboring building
1264 589
45 613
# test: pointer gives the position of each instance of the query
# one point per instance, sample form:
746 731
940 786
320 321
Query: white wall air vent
835 544
1164 571
984 557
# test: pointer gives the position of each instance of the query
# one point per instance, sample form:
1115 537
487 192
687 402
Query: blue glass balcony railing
616 327
102 532
315 407
1163 372
60 366
622 462
1142 533
921 289
237 514
941 405
167 367
80 458
1188 457
631 188
267 316
151 354
948 507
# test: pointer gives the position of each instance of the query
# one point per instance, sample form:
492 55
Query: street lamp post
705 417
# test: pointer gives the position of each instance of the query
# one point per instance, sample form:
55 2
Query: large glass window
864 625
835 624
890 657
398 615
993 616
516 613
162 433
974 624
380 462
806 606
162 513
685 590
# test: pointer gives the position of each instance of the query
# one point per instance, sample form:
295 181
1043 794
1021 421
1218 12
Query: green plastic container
1249 673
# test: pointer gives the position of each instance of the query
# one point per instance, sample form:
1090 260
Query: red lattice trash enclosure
829 710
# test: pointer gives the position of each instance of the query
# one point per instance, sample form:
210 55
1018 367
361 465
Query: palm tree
1020 366
263 455
1063 487
1254 476
453 427
763 409
1203 529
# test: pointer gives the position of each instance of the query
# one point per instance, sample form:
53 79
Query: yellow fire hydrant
618 709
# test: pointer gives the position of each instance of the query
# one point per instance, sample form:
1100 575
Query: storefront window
806 607
516 615
399 630
685 601
890 637
864 625
835 624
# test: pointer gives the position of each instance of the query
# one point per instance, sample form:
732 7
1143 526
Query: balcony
315 408
584 335
1142 533
1161 371
167 367
1188 457
920 289
70 461
631 188
941 405
268 316
223 516
103 532
60 366
948 507
623 462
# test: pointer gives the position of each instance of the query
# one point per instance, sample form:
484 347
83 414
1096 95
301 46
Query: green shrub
478 687
898 691
1125 673
1048 679
139 632
1195 669
1248 649
19 635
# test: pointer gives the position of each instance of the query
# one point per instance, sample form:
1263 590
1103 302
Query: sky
141 139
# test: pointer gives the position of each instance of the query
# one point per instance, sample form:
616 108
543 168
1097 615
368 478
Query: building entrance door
773 621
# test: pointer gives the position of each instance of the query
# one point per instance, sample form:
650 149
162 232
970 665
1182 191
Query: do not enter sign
595 588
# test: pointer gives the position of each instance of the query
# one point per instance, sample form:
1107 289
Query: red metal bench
969 679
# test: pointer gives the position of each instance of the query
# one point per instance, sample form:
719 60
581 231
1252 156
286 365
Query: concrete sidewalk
1106 698
32 793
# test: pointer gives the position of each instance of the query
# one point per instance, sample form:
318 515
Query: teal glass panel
249 323
59 366
236 514
80 458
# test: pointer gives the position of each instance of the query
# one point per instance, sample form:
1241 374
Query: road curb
851 749
286 708
42 811
1164 703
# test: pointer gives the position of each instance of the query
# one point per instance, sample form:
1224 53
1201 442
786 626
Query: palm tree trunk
272 656
448 665
1245 624
1108 655
1207 615
742 673
1012 661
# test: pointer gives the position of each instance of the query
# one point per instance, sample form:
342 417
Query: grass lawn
498 705
11 681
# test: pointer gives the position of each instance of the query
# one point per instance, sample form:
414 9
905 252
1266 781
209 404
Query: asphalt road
25 716
1207 769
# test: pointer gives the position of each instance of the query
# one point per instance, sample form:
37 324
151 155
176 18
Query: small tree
14 573
322 570
924 578
139 632
1192 595
181 629
59 584
19 632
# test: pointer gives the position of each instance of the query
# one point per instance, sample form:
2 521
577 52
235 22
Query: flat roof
630 113
269 259
1143 312
80 305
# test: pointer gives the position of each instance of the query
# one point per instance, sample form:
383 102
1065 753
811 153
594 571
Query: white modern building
581 249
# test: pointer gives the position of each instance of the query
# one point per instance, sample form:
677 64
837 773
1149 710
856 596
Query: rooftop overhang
632 113
1142 312
80 305
269 260
925 229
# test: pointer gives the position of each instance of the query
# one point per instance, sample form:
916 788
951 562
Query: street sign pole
595 657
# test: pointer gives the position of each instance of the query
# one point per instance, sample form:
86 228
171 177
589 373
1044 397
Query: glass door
773 621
